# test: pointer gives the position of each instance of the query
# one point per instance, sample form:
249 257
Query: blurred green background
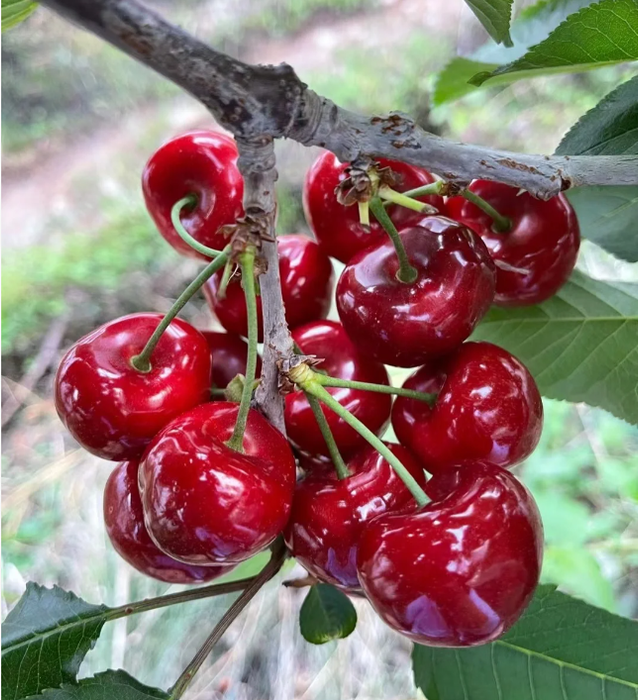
79 121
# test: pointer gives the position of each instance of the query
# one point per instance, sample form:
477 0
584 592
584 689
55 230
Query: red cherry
112 409
306 286
124 521
229 355
337 227
537 255
328 341
329 514
488 407
460 571
205 503
203 163
406 324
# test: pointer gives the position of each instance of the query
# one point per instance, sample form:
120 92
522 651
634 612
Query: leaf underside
326 614
110 685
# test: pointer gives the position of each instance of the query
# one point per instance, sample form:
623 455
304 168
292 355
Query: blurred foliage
281 18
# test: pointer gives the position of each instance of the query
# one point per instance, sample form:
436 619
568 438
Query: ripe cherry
405 324
229 354
205 503
124 520
329 514
461 570
306 286
112 409
537 254
200 163
337 227
327 340
488 407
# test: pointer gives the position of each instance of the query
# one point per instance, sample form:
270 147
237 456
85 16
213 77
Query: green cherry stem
501 223
433 188
247 264
340 466
406 272
142 362
404 200
326 380
226 275
364 213
189 201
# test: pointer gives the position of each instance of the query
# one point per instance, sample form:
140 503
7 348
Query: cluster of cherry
206 482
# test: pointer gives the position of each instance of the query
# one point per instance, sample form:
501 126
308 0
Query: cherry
538 253
488 407
461 570
229 354
112 409
405 324
203 502
329 514
204 164
337 227
124 521
306 286
340 358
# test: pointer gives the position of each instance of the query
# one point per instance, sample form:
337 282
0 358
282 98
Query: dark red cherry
203 163
488 407
124 520
337 227
406 324
205 503
229 354
112 409
537 255
329 514
328 341
460 571
306 286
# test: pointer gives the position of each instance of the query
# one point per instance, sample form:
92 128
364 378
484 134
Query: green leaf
15 11
607 216
609 129
580 345
561 649
44 639
495 16
601 34
453 81
110 685
326 614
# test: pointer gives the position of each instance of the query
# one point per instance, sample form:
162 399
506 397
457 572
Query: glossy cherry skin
203 163
328 340
460 571
307 281
207 504
228 354
405 324
337 227
329 514
124 520
488 407
114 410
537 255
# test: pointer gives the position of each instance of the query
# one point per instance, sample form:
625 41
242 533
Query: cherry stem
501 223
142 362
226 275
340 466
189 201
326 380
364 213
307 380
405 200
247 264
406 272
433 188
269 571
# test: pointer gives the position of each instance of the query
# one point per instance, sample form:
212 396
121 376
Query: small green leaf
44 639
495 16
326 614
561 649
110 685
15 11
453 81
580 345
